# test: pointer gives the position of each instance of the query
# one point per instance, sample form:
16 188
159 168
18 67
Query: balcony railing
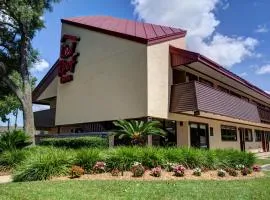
196 96
44 119
264 114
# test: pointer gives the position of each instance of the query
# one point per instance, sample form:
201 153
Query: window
228 133
209 83
258 135
191 77
235 94
223 89
248 135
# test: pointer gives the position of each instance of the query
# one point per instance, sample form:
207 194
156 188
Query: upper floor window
209 83
191 77
223 89
228 133
248 135
235 94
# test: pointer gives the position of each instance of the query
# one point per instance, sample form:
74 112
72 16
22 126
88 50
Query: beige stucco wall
183 132
159 77
50 91
110 80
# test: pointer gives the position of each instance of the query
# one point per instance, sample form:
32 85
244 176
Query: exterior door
199 136
242 139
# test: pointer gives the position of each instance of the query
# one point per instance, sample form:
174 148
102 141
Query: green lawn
244 189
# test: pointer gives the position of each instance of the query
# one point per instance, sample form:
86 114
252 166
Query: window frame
228 128
248 129
258 132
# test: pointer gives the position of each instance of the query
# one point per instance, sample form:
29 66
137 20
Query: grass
73 189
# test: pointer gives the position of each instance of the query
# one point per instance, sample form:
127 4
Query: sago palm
137 130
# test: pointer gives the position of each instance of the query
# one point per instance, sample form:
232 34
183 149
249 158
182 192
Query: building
112 69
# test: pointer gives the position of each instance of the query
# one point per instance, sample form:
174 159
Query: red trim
43 84
196 57
125 36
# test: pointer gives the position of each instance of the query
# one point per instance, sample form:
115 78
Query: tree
137 130
19 21
9 104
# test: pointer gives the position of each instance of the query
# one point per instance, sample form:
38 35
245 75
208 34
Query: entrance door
242 139
199 136
265 141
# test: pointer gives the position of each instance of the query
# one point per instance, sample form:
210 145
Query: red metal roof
132 30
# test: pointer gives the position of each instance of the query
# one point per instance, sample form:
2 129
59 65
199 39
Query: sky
235 34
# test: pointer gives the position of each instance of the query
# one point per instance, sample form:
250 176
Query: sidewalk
263 155
5 179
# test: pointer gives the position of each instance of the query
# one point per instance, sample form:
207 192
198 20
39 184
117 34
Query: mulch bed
209 175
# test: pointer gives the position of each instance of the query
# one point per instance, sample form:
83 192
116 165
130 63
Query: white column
149 140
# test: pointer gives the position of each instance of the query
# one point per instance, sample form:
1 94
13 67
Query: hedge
76 143
46 162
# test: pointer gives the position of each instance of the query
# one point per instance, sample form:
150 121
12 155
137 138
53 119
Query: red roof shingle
132 30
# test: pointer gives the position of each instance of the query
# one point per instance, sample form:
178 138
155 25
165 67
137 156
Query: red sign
68 58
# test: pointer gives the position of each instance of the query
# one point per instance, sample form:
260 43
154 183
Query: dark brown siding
196 96
44 119
183 97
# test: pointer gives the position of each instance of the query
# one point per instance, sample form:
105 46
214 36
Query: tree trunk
28 116
16 119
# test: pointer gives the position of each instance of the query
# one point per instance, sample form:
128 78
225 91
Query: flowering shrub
137 169
76 171
197 172
239 167
115 172
221 173
99 167
246 171
257 168
156 172
232 172
169 166
179 170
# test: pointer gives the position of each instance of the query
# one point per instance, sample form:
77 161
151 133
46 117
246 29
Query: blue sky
233 33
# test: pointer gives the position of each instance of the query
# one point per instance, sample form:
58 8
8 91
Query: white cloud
243 74
198 18
38 107
262 29
40 66
265 69
268 92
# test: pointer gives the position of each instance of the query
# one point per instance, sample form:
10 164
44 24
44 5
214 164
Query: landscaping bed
165 176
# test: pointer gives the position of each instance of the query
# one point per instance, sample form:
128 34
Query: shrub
156 172
10 159
43 164
76 143
240 167
197 172
179 170
169 166
245 171
256 168
137 169
87 158
12 140
115 172
232 172
99 167
76 171
221 173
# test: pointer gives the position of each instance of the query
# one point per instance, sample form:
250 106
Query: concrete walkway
263 155
5 179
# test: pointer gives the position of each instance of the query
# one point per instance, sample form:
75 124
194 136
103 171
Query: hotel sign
68 58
